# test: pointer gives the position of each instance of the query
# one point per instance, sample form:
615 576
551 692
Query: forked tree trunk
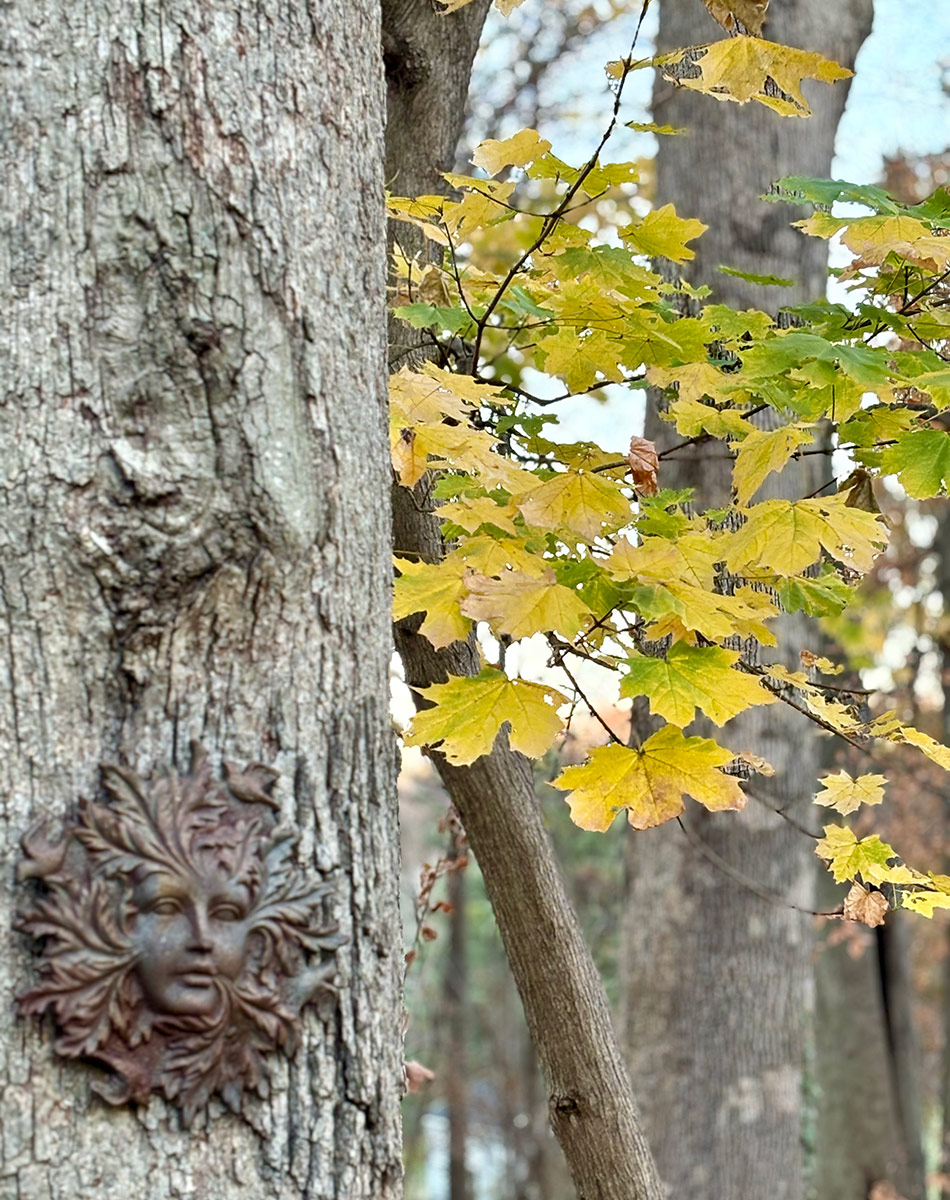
719 990
194 524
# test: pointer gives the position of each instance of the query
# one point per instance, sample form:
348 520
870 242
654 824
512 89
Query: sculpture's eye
225 910
167 906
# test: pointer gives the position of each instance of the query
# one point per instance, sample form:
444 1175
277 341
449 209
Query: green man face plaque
177 940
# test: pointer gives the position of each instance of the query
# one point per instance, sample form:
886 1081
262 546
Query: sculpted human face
188 932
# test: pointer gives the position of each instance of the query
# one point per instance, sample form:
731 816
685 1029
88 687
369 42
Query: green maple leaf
693 677
467 714
650 782
921 462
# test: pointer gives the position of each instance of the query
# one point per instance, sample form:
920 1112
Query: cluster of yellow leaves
565 540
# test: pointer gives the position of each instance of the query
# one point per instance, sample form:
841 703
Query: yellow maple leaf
763 451
521 605
934 750
467 714
925 901
873 238
788 536
690 559
493 556
469 450
581 501
844 794
435 589
692 678
516 151
738 68
480 206
650 782
663 233
471 512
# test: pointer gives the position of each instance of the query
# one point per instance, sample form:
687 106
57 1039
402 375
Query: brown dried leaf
749 13
417 1076
644 464
865 906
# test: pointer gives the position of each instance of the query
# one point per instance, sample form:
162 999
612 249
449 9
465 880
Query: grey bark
719 990
194 524
591 1106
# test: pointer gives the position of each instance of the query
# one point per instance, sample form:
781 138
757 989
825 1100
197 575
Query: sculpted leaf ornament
177 940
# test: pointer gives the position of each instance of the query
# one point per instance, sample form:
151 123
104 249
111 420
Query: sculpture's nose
199 941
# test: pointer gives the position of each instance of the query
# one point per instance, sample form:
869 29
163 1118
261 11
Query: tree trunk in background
591 1107
719 981
195 534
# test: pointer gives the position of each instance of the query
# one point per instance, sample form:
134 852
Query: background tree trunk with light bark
719 989
194 525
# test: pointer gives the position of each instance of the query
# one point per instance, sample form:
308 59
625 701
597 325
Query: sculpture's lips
197 977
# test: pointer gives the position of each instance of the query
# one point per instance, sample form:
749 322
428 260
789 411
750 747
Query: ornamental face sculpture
178 942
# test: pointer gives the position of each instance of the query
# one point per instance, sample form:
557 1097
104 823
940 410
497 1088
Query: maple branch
559 661
744 881
550 221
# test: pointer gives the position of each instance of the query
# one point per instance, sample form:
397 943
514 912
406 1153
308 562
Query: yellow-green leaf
788 536
521 605
847 857
468 713
844 794
650 782
435 589
693 677
663 233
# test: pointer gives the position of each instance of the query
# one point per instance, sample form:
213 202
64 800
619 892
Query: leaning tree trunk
591 1107
720 986
194 540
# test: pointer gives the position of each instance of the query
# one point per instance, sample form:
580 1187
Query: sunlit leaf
650 782
468 713
691 678
844 794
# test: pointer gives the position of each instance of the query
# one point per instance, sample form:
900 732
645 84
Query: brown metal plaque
176 940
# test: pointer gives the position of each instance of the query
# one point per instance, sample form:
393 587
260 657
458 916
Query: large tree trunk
195 524
719 993
591 1107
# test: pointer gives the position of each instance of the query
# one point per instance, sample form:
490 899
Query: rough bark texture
591 1106
194 524
719 990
